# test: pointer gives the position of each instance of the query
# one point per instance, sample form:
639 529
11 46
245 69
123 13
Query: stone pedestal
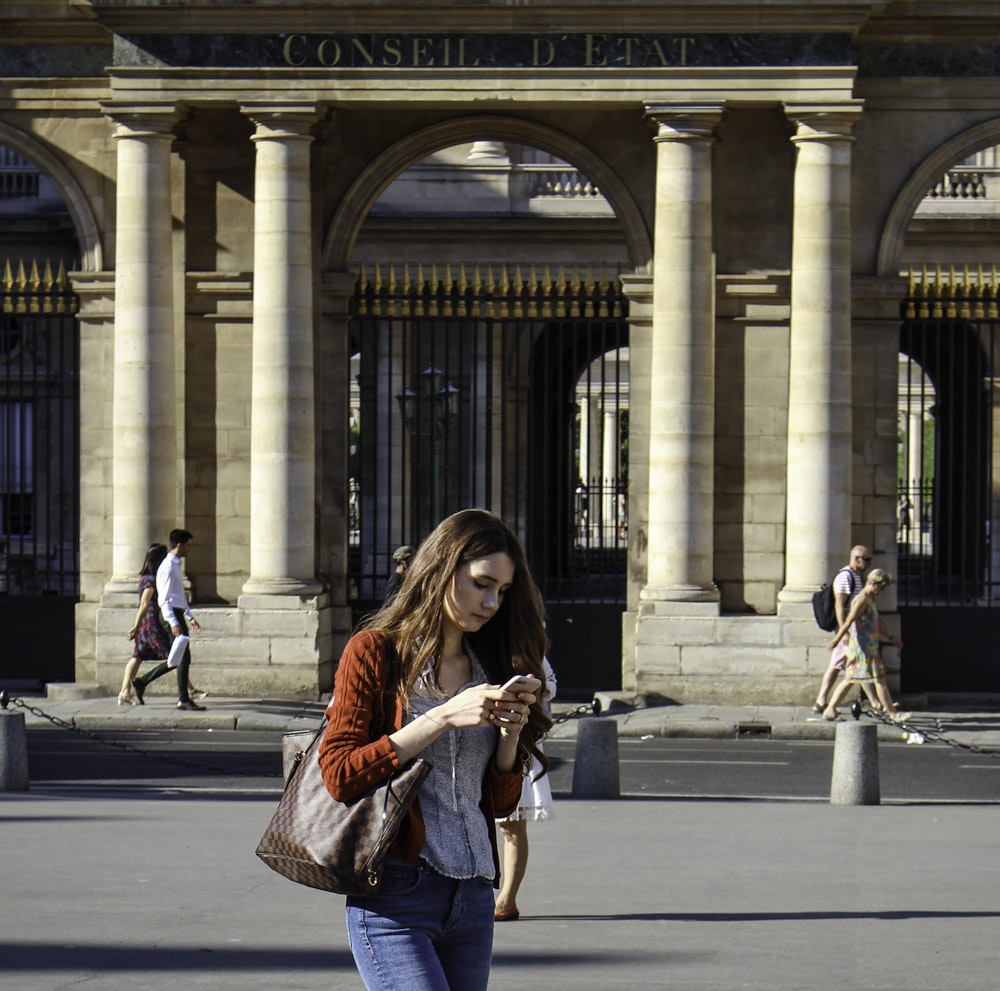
13 752
595 767
855 765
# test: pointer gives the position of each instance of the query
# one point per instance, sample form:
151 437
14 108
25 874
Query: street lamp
442 401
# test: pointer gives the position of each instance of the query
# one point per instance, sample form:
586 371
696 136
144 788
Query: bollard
595 768
13 751
855 765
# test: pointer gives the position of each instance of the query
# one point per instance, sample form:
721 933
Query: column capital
336 293
824 122
143 120
638 287
96 291
684 121
277 121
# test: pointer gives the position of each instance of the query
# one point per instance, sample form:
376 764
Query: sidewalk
969 720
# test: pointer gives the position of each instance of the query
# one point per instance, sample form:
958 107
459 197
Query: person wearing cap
401 555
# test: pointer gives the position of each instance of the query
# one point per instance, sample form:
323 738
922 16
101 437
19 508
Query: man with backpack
849 581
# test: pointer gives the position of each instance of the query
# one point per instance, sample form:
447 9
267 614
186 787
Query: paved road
785 769
654 767
126 874
124 892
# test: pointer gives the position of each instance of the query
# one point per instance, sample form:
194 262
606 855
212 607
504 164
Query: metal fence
946 502
500 390
39 434
39 472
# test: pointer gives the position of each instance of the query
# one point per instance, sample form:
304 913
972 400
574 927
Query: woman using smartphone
436 657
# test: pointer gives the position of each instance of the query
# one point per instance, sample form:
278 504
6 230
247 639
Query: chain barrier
918 734
911 733
589 709
129 748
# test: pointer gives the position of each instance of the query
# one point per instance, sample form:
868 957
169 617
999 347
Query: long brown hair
513 641
154 558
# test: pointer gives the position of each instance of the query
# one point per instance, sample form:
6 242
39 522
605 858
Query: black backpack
823 605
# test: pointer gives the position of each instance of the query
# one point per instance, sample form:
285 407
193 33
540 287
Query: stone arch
84 221
924 176
340 239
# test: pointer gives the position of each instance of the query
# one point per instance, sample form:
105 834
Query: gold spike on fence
953 293
491 291
33 287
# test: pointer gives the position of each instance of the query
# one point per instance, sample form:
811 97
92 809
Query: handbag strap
378 717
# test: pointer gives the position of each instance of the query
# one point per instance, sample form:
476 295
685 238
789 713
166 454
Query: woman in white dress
535 806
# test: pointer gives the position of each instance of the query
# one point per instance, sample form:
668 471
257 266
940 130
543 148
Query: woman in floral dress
864 660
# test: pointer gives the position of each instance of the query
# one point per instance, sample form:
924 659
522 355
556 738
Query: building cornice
781 16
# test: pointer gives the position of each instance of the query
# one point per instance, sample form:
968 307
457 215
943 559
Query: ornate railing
499 291
965 292
960 184
18 185
564 183
34 290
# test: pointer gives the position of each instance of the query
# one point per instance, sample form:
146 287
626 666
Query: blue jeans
422 931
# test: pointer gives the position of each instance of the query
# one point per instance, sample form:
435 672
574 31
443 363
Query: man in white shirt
176 614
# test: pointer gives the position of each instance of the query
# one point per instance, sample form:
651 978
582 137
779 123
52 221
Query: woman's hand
484 705
481 705
131 633
509 712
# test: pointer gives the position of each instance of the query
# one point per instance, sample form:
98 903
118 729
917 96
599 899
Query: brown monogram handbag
313 839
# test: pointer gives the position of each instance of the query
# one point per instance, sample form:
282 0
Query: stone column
609 475
913 483
682 411
283 415
586 432
818 519
144 426
638 288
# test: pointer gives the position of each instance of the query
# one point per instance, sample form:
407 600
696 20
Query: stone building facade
763 164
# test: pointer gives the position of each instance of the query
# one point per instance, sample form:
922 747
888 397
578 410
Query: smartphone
522 683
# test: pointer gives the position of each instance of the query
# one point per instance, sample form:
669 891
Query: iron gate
947 504
39 472
507 392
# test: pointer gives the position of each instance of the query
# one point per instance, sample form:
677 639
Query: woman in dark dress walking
152 639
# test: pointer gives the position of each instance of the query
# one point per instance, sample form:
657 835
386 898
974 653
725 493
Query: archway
39 405
343 232
923 178
939 231
91 255
465 330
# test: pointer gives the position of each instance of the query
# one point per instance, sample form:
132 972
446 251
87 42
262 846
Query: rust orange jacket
352 762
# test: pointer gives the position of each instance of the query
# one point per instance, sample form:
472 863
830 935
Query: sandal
831 715
818 709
